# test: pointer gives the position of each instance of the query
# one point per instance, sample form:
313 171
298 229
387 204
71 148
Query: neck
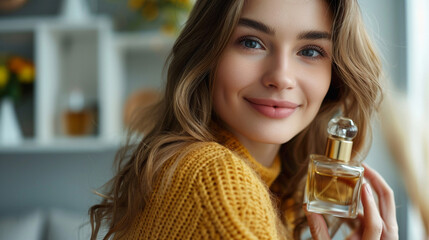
264 153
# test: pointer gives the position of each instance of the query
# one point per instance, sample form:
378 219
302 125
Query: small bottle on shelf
334 180
78 119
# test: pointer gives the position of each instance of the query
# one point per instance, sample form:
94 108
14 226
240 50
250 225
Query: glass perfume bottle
78 118
334 180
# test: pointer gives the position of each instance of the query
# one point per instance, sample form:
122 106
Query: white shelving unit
140 61
84 51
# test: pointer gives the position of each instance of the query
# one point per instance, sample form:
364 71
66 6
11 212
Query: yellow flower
150 11
26 74
4 76
135 4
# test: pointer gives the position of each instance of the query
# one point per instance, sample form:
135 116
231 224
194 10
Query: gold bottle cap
339 144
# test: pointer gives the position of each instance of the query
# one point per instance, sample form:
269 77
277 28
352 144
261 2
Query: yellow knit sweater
218 191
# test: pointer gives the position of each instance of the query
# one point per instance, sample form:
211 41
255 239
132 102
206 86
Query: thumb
317 225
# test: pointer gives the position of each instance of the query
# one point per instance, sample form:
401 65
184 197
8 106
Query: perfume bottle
78 118
334 180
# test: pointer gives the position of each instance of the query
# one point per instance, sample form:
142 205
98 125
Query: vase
75 10
10 132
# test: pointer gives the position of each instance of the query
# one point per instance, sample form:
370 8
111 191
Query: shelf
86 53
76 55
69 145
20 43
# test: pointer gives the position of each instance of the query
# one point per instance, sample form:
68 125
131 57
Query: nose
280 73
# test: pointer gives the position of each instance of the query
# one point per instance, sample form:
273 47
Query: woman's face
275 71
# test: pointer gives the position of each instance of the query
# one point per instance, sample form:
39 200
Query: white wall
418 100
386 22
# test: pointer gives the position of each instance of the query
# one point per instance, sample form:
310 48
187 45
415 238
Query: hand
375 223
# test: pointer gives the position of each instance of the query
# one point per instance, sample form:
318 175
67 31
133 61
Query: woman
250 89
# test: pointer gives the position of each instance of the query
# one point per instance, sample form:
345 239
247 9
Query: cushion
68 225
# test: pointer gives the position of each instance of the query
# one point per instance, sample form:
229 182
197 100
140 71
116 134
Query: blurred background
69 67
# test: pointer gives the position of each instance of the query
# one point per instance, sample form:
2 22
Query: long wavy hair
184 114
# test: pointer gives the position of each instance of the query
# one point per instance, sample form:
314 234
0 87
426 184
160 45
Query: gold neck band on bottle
338 148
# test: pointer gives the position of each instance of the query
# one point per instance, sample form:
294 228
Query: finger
317 225
373 224
357 226
356 235
385 196
355 223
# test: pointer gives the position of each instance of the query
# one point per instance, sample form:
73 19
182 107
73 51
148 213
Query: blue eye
312 52
250 43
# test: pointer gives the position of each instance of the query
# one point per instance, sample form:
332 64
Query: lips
273 108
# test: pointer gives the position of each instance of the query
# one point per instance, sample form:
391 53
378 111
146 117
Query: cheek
232 74
223 82
317 88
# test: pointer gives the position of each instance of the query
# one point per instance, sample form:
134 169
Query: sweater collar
267 174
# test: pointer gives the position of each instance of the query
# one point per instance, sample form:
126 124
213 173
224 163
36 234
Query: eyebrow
308 35
314 35
256 25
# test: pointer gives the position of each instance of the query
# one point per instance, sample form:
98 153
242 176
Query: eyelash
320 50
242 40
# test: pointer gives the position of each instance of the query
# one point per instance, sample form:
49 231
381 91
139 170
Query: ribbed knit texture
218 191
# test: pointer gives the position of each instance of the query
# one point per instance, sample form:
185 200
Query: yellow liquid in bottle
335 189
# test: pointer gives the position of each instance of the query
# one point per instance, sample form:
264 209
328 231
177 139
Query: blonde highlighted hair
184 114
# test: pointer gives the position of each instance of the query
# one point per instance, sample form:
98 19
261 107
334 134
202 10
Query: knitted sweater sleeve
234 202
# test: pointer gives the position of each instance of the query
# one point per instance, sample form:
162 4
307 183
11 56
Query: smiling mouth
273 108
